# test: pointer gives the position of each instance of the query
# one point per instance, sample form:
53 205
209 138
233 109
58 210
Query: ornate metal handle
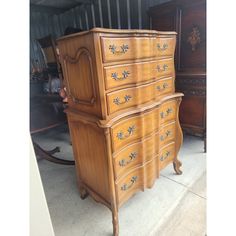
124 73
130 130
166 135
124 48
166 113
163 87
125 187
163 48
164 68
118 102
132 156
164 156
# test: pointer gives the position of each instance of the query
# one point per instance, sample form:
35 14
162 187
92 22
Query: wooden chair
51 59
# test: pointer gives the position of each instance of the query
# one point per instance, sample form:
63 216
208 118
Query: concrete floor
175 206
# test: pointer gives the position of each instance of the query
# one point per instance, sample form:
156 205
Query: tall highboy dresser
122 110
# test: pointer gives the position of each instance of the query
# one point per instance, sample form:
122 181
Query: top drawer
128 48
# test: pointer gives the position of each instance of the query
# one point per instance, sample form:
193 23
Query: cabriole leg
83 193
177 164
115 222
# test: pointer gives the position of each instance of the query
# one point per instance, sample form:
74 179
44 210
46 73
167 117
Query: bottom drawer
167 155
136 180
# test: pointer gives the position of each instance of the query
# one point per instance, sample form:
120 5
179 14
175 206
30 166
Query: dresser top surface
119 31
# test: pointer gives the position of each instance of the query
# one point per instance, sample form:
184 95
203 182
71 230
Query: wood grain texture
122 113
135 127
136 73
90 156
132 97
143 150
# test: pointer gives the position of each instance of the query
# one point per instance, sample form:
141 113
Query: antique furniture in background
46 107
188 19
122 110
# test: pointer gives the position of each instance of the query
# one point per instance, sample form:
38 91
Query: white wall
40 221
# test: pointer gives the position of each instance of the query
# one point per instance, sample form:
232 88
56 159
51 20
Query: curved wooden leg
53 151
179 140
47 155
115 222
83 193
177 164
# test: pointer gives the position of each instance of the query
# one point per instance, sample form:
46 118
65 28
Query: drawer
135 154
135 73
132 97
136 127
126 48
165 46
167 133
137 180
167 154
167 111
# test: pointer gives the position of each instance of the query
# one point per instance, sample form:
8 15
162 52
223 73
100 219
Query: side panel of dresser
77 56
91 158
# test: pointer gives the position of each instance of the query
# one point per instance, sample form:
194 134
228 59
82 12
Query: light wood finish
119 49
136 73
138 179
122 124
130 129
142 150
86 85
131 97
135 154
167 155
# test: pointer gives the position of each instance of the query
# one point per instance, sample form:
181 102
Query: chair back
48 49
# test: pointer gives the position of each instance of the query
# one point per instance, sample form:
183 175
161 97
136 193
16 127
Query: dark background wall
116 14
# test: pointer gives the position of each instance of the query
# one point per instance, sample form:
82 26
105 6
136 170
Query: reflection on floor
175 206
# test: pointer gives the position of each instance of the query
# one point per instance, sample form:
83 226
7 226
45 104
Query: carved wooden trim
194 38
74 60
191 81
193 92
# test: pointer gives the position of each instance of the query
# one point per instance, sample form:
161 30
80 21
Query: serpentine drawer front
126 74
131 129
165 46
135 96
138 179
123 112
119 49
167 155
137 153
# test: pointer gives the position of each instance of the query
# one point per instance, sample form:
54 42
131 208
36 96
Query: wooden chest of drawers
123 112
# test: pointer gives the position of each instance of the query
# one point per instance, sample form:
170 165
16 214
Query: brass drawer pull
125 187
118 102
124 73
132 156
163 48
164 68
124 48
166 135
130 130
163 157
163 87
166 113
